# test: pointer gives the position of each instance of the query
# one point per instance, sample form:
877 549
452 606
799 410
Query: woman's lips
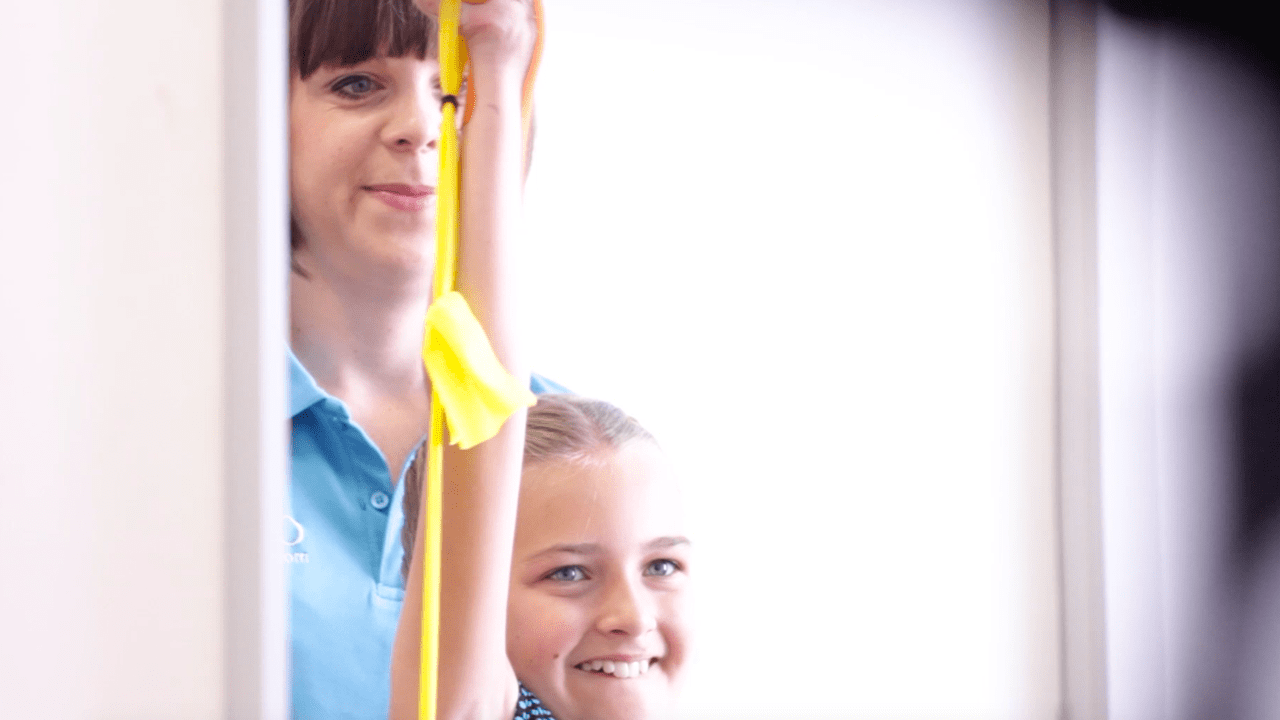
407 198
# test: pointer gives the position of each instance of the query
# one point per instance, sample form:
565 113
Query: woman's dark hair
347 32
560 427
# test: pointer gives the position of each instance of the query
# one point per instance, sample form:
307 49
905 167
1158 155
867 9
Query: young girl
596 623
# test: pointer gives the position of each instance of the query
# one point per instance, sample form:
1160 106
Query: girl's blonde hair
573 428
559 427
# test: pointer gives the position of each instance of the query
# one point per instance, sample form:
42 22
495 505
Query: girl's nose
627 610
415 122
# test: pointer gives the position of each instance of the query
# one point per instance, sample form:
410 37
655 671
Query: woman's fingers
498 30
501 30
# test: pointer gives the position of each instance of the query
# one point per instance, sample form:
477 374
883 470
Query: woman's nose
415 122
627 610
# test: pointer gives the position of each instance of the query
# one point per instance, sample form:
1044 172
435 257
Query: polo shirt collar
303 390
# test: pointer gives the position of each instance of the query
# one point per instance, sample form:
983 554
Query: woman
364 115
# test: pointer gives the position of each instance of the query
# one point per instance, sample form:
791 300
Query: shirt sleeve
540 385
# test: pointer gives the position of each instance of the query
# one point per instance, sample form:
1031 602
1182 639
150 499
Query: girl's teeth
617 669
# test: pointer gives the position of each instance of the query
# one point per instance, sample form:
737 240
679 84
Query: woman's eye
661 568
571 573
355 86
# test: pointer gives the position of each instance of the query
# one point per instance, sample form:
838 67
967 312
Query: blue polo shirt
342 547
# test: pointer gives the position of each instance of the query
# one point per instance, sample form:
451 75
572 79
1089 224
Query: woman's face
596 619
362 142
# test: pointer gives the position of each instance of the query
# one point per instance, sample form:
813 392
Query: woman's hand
500 34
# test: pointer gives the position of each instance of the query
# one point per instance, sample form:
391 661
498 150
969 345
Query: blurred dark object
1245 27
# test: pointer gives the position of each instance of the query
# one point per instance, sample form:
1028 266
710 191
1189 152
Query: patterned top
529 707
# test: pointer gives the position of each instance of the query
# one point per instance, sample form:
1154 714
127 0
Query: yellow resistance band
469 387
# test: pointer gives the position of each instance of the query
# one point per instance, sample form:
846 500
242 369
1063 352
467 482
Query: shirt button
379 501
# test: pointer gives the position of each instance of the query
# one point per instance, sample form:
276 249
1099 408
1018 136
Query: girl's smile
619 666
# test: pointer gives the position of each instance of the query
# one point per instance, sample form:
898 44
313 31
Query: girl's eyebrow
595 548
666 542
575 548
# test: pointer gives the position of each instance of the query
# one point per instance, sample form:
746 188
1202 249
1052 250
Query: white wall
111 314
809 245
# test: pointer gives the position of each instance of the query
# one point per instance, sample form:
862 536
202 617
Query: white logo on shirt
294 534
293 531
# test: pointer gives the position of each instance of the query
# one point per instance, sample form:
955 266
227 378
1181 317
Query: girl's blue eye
355 86
662 568
570 573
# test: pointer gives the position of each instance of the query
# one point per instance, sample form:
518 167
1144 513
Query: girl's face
362 142
596 620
